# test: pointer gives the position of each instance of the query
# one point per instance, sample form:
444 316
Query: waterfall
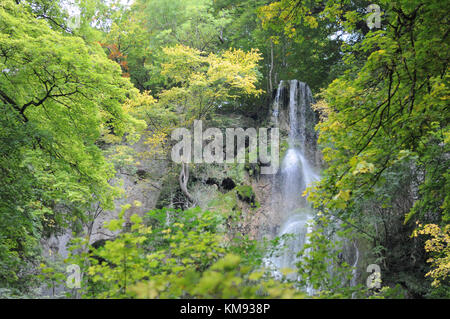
296 174
293 91
276 103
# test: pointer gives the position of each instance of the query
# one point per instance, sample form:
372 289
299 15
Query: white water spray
297 173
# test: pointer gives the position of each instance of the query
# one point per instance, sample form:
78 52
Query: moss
253 169
245 193
284 146
235 172
219 172
225 204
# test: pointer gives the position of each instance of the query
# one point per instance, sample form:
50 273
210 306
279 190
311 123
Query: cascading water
276 103
296 174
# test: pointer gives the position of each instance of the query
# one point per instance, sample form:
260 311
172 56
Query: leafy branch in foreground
157 258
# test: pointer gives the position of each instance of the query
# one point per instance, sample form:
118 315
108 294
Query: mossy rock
245 193
218 172
225 204
228 204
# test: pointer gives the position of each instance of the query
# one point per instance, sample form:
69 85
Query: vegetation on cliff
78 90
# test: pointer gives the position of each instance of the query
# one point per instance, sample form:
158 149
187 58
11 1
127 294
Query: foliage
74 97
320 267
246 194
204 82
438 247
387 114
173 254
227 278
58 95
311 55
139 33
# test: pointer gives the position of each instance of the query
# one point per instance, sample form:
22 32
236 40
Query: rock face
266 205
277 195
140 184
141 188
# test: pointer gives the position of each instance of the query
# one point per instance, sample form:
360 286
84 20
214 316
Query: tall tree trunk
271 68
183 180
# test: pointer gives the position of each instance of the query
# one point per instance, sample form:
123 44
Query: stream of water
296 174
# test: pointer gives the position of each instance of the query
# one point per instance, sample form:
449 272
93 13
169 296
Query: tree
59 95
293 47
388 116
186 258
140 36
202 82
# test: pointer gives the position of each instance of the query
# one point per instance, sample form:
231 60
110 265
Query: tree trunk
183 180
271 69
